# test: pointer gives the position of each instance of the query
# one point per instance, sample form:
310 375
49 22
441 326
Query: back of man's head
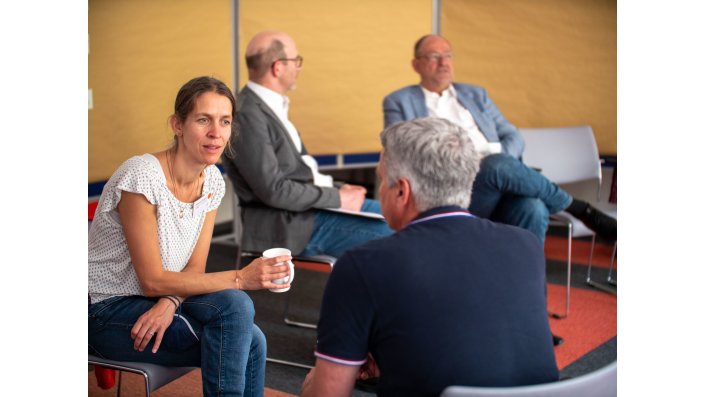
436 156
263 50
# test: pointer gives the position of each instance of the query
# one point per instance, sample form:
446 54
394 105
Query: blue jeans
507 191
231 350
335 233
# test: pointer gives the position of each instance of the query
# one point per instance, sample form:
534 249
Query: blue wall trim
328 160
360 158
96 188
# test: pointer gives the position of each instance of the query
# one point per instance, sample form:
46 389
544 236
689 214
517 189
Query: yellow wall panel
354 53
545 63
141 52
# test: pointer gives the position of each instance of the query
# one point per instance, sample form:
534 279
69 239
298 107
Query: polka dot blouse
110 270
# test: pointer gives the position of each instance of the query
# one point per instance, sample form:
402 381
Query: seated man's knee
532 215
528 213
496 165
497 160
532 208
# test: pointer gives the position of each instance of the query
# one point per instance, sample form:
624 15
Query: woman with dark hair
150 298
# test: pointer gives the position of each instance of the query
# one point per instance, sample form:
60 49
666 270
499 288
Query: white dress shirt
446 106
280 106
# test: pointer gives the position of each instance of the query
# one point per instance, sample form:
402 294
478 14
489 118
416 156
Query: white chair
566 155
155 376
600 383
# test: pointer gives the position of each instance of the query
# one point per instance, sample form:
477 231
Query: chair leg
119 382
296 324
568 271
146 385
596 284
609 275
289 321
292 322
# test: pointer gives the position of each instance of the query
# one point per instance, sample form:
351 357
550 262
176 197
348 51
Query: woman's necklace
173 183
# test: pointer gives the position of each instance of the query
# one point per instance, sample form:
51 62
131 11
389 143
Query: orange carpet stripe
591 322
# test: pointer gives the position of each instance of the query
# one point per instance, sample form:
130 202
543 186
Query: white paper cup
274 252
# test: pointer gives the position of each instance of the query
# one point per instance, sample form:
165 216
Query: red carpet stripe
591 322
188 385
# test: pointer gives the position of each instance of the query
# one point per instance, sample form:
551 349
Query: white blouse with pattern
110 270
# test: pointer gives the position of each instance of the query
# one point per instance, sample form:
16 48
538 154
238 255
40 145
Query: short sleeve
347 314
216 187
135 176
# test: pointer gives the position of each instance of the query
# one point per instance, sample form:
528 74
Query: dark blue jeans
334 233
507 191
230 349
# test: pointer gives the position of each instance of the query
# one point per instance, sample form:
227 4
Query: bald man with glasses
281 191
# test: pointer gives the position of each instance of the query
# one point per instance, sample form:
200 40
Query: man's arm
509 136
268 169
330 379
344 330
392 111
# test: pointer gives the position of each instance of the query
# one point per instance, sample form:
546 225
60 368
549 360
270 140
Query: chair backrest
602 383
237 216
237 237
564 155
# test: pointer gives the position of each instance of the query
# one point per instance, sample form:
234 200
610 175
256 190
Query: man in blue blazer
505 189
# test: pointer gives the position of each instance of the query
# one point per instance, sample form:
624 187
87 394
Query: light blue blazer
409 103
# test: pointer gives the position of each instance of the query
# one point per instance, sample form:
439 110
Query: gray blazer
273 184
409 103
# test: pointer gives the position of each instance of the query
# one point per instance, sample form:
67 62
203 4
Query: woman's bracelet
237 279
173 299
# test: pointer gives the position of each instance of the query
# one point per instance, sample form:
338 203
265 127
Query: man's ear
403 191
275 69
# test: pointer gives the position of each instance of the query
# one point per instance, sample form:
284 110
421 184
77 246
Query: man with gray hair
449 299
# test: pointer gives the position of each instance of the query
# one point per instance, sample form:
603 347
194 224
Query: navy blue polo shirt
449 300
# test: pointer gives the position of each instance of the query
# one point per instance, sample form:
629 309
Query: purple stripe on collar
443 215
339 360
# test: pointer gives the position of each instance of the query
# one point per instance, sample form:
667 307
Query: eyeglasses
299 60
435 57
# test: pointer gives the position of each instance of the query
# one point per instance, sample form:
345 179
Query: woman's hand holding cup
283 283
268 272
